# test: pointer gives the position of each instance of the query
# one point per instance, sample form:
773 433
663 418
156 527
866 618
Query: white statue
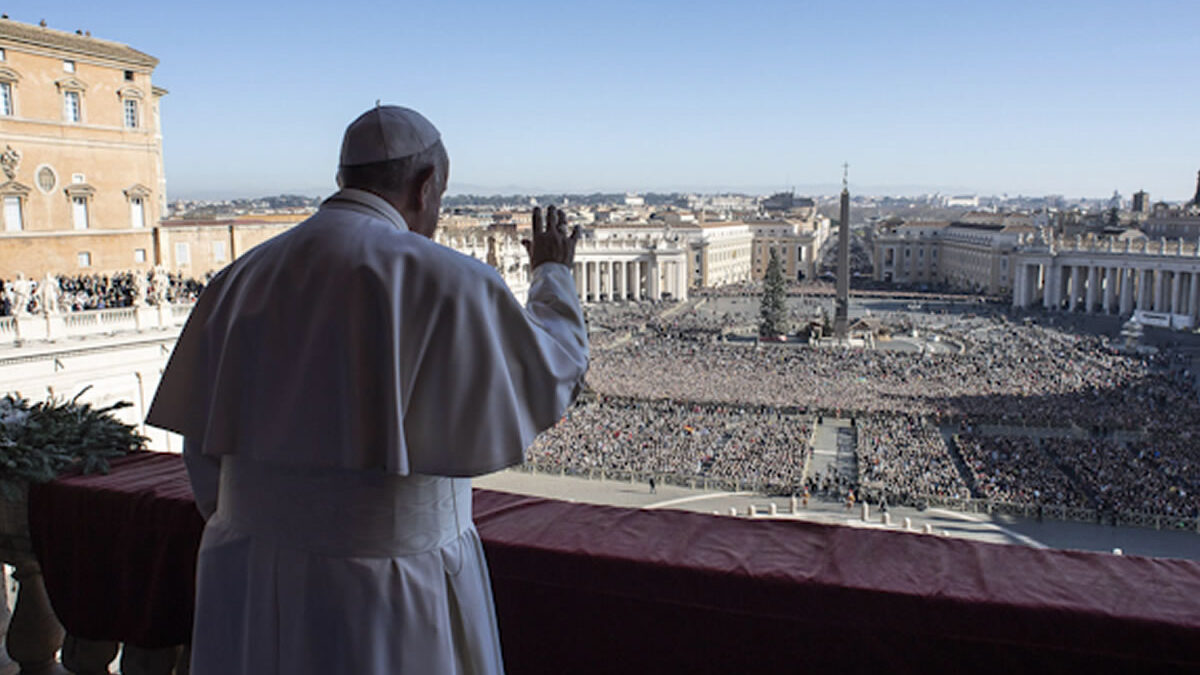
159 282
48 294
20 290
139 289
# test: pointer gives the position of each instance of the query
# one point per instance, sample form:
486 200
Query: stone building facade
797 241
81 153
974 256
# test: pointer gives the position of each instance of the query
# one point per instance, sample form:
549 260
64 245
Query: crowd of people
759 446
84 292
1015 469
906 459
1025 375
1013 374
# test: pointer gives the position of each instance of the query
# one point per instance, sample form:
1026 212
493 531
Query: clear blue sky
1076 98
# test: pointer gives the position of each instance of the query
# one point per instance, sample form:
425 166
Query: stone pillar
594 281
1048 285
1019 294
1176 291
681 281
635 279
1126 280
1062 280
579 281
1110 288
1093 286
619 279
1145 294
653 278
1073 298
34 634
1194 297
1160 288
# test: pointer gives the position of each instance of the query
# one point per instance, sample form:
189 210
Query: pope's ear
427 188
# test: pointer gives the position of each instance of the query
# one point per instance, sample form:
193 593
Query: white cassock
336 387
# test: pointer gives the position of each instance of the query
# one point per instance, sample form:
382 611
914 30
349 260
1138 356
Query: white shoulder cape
349 341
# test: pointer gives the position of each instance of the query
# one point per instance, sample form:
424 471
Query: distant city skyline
1070 97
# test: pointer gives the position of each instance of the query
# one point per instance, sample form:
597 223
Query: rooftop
85 45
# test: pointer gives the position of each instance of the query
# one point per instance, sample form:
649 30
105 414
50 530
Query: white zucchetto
384 133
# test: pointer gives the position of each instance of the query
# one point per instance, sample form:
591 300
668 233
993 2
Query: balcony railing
38 327
596 589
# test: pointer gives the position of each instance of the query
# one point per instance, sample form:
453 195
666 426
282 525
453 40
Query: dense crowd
1025 377
83 292
906 458
1015 469
760 446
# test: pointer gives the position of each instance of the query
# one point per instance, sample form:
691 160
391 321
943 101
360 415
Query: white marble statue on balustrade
159 281
48 295
20 293
139 289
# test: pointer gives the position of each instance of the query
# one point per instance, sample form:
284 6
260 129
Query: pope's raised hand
550 240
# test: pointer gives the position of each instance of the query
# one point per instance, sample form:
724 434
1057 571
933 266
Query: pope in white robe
337 386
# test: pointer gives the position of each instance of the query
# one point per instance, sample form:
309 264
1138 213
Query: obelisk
841 308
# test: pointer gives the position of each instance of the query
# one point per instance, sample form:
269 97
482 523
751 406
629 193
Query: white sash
342 512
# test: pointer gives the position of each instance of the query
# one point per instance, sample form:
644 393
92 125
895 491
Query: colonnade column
1110 289
652 281
1176 293
579 280
1194 297
1048 286
1093 286
1126 305
1073 294
594 281
635 279
619 279
1019 286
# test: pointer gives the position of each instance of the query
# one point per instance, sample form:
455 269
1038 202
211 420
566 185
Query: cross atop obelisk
841 307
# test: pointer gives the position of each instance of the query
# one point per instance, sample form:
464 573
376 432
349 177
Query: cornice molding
137 190
12 187
79 190
130 91
71 84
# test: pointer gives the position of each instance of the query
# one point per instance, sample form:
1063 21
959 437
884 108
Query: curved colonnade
1111 278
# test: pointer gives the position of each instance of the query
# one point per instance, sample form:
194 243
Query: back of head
386 149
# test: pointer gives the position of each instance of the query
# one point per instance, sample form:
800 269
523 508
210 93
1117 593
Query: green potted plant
39 441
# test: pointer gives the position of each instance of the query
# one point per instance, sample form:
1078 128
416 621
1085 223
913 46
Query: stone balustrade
51 327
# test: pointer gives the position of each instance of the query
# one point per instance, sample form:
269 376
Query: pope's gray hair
393 175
